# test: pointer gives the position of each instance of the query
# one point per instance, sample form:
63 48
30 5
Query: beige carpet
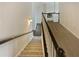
33 49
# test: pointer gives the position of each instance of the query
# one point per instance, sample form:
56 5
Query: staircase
33 49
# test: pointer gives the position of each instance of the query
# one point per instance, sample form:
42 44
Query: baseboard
22 48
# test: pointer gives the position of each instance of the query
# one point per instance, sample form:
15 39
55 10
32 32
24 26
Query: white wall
37 9
12 18
69 14
52 7
12 23
49 6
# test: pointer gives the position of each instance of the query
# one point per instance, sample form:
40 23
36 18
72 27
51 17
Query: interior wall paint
12 18
69 15
14 47
12 23
52 7
49 6
37 9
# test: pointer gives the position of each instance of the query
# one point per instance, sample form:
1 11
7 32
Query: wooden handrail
12 38
59 50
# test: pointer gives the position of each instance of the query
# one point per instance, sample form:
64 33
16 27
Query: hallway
33 49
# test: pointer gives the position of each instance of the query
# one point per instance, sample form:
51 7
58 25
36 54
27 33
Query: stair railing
59 51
